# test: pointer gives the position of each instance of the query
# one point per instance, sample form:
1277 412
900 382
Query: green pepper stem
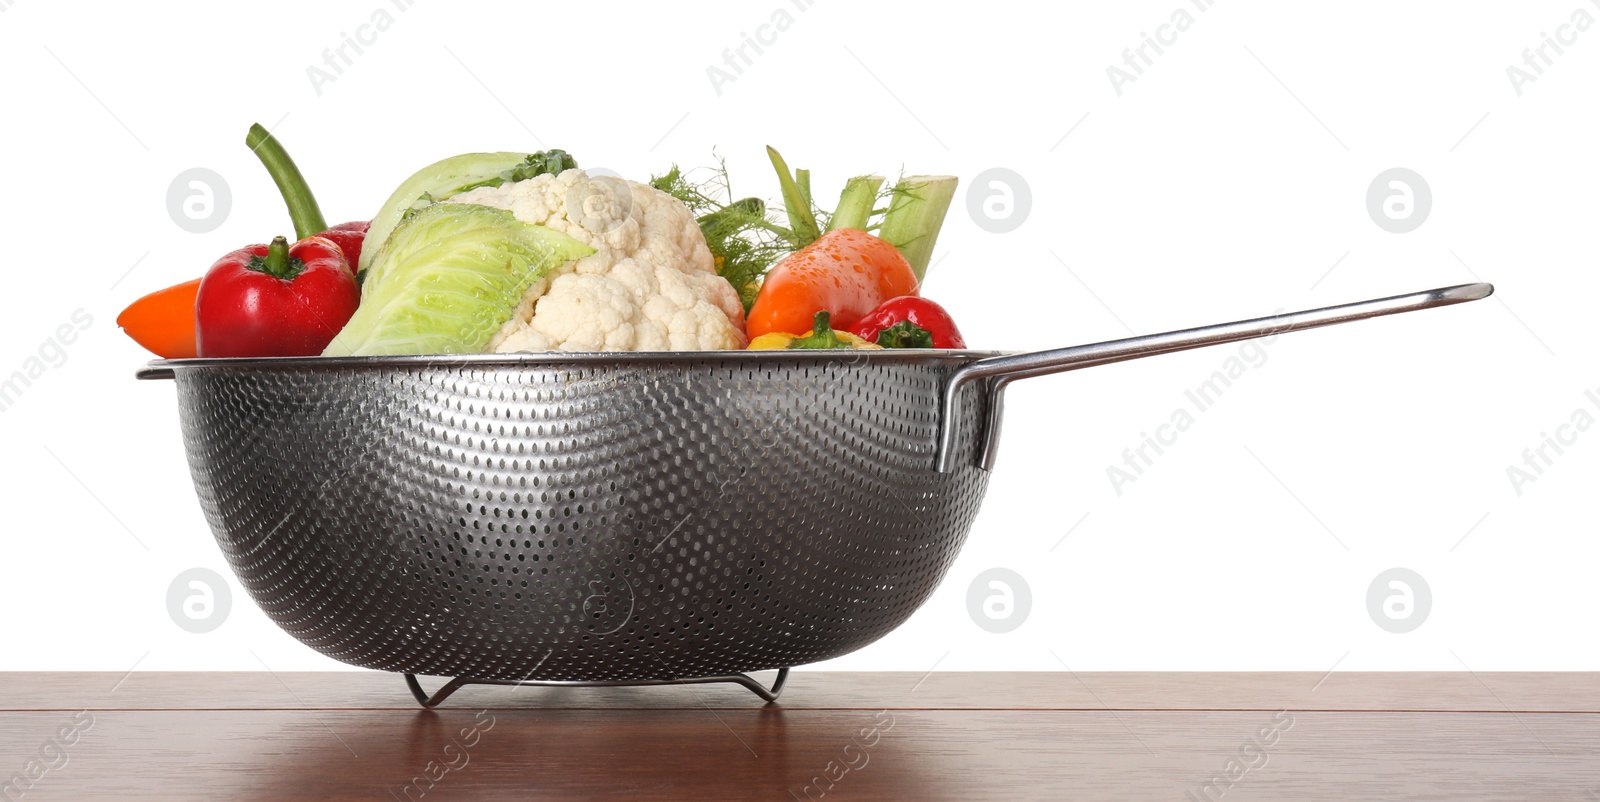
905 334
303 209
276 262
822 323
822 335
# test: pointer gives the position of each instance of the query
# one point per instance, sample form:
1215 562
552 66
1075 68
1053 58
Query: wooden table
851 736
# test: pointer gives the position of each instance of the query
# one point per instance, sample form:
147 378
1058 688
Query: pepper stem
905 334
822 335
303 209
276 262
821 323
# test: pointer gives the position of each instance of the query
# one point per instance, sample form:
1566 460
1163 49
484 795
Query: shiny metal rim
522 360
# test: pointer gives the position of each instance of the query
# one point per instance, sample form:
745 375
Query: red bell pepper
255 295
349 237
909 322
275 300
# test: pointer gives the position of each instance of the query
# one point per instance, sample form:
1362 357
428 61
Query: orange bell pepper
846 272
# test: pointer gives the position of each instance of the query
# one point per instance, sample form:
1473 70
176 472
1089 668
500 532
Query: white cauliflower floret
650 285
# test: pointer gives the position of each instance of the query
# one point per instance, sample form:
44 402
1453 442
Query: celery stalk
855 202
802 179
915 215
796 201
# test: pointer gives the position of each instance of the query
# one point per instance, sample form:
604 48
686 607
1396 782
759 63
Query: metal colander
610 518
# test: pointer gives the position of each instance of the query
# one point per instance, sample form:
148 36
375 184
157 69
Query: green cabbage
443 179
448 279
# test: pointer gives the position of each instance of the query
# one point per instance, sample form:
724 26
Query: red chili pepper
275 300
909 322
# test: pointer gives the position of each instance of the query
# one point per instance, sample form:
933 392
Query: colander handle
1003 370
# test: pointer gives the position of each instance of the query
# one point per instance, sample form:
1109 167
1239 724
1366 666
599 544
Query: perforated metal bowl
612 517
589 517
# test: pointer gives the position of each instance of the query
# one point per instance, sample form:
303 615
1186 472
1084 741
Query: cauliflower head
650 285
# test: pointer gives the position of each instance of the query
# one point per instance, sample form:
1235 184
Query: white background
1223 183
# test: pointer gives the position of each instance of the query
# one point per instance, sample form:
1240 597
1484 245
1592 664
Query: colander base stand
456 684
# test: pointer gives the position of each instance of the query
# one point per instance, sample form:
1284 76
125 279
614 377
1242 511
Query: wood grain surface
815 690
838 736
